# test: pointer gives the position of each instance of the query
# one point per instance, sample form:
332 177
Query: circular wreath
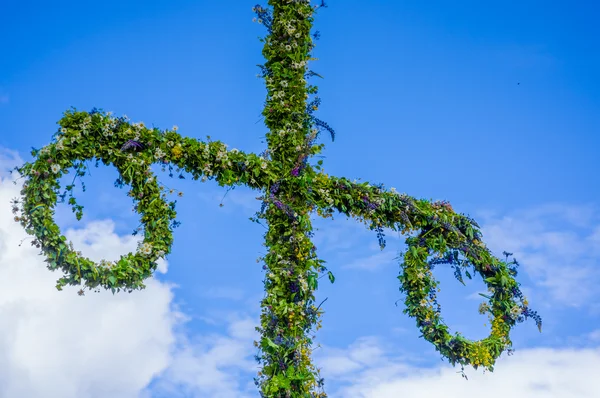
40 193
418 283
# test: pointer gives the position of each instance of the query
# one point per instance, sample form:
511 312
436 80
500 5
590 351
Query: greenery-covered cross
293 189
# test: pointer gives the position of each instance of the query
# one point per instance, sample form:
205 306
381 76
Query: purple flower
296 171
131 144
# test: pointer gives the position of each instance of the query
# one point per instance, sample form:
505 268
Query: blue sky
493 107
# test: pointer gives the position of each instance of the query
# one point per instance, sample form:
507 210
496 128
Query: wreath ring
418 283
40 198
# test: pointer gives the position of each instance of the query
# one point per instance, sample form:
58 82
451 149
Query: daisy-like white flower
288 47
146 249
159 154
55 168
63 130
515 311
260 20
483 308
175 128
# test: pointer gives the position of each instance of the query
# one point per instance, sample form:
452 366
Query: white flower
175 128
288 47
55 168
146 249
159 154
284 83
260 20
63 130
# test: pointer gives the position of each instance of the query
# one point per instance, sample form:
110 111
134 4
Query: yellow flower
177 151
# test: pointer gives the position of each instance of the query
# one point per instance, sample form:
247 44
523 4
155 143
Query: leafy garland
293 189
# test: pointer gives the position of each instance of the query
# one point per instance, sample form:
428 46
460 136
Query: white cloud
556 245
365 372
60 345
216 366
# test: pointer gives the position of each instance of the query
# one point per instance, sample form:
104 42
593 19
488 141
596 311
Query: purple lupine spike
296 171
132 144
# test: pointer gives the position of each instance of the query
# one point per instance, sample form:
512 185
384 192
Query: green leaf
331 277
483 295
271 344
112 279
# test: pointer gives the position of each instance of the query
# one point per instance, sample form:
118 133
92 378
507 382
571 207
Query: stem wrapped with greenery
292 190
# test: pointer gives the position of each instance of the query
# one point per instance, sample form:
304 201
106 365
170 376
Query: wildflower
177 151
146 249
175 128
288 47
55 168
132 144
159 154
260 20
